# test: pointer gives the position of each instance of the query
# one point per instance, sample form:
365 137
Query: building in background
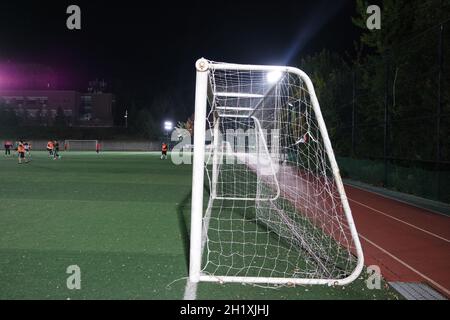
42 107
96 109
96 105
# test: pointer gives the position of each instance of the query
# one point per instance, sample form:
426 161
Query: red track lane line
392 198
434 283
401 221
427 220
423 252
393 205
390 268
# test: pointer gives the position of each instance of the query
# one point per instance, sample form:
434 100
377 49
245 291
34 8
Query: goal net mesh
80 145
274 209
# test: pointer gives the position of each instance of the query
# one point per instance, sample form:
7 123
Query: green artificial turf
123 218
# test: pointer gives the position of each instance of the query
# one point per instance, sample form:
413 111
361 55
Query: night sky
145 49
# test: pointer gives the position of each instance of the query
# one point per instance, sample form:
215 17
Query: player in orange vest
21 152
164 148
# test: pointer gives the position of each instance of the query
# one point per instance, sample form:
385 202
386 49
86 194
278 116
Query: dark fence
390 124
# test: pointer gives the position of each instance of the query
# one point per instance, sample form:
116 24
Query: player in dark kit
27 147
8 147
56 150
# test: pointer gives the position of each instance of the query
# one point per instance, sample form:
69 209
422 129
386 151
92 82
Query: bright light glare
168 125
273 76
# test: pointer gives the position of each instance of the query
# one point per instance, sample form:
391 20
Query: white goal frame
67 142
198 227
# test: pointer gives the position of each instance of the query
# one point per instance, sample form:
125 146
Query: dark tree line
387 103
396 75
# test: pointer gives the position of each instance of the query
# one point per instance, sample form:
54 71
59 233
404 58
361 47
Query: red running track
408 243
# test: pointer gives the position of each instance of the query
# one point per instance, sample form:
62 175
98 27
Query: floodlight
273 76
168 125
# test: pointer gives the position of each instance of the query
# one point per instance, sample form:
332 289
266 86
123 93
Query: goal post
80 145
276 210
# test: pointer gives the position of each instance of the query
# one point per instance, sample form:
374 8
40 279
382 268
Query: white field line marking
399 220
415 205
437 285
190 291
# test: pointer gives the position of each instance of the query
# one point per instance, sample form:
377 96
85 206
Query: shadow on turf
183 214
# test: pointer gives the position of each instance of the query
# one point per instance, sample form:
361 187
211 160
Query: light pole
126 118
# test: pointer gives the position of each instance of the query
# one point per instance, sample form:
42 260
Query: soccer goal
80 145
275 210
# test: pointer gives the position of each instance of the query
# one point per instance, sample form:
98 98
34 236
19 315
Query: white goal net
80 145
276 211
